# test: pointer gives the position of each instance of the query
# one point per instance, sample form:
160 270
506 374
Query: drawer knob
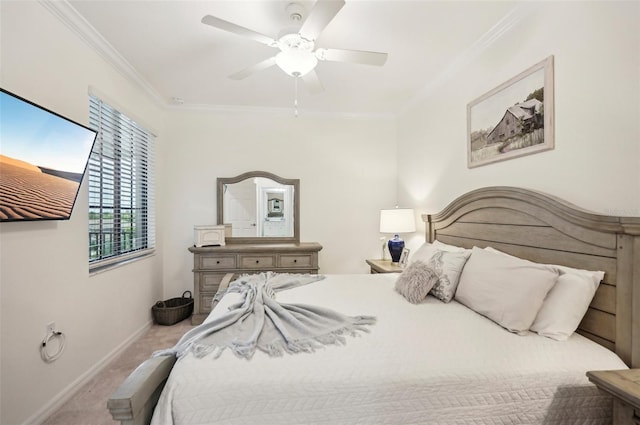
257 261
218 262
295 260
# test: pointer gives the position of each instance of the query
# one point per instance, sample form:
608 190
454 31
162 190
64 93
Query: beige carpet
89 405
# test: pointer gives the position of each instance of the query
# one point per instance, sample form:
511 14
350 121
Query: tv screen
43 157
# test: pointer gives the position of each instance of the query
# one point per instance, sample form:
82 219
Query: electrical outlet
51 327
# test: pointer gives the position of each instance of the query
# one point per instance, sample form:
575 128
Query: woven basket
174 310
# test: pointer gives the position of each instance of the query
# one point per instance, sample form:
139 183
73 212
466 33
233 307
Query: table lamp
397 220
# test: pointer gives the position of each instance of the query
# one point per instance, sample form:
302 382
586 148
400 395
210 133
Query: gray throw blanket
258 321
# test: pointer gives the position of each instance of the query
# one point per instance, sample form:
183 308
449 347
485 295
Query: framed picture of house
513 119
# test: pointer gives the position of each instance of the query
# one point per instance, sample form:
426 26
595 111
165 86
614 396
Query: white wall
346 167
596 162
43 265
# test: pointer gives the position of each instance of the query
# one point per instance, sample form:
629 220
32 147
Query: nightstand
624 386
384 266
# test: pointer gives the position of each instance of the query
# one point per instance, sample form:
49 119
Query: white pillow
506 289
450 248
565 306
426 250
447 263
566 303
448 267
597 276
423 253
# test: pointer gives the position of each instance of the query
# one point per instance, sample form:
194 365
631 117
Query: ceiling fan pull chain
295 101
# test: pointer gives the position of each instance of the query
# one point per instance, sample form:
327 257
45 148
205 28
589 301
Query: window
121 188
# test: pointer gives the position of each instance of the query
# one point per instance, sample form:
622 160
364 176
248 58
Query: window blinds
121 187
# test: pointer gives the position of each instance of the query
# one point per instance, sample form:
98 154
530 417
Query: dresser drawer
288 261
211 262
257 261
209 282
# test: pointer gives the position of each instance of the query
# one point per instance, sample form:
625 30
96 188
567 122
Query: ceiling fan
298 54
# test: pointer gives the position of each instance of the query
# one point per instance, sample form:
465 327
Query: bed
443 366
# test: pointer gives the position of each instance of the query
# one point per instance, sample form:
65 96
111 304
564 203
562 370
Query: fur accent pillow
416 281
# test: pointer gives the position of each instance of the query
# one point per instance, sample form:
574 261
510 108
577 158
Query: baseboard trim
72 389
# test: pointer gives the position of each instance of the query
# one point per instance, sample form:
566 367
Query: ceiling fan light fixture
295 62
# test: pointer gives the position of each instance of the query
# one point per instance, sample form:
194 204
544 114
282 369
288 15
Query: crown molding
495 33
236 109
69 16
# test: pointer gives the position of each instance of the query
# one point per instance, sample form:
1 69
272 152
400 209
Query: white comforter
431 363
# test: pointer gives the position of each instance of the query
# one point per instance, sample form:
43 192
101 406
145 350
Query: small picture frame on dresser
404 257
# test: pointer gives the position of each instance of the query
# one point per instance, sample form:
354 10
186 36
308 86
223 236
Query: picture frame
404 257
514 119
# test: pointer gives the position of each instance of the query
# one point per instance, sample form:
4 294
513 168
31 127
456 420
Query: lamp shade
397 220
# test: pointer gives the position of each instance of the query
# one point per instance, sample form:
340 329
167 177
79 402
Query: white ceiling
166 48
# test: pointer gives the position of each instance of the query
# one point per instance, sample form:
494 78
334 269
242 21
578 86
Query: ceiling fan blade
353 56
237 29
321 14
267 63
312 82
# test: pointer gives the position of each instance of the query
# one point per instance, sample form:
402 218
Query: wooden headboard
544 229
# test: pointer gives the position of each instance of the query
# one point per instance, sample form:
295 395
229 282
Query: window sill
112 263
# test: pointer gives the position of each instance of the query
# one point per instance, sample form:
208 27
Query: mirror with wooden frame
259 207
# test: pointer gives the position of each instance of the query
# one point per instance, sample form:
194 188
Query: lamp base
396 245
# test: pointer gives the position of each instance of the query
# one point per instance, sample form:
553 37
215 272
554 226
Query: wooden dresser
212 263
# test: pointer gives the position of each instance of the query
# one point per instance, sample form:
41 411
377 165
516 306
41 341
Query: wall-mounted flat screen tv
43 158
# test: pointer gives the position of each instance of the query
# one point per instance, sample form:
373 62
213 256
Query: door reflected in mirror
258 206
